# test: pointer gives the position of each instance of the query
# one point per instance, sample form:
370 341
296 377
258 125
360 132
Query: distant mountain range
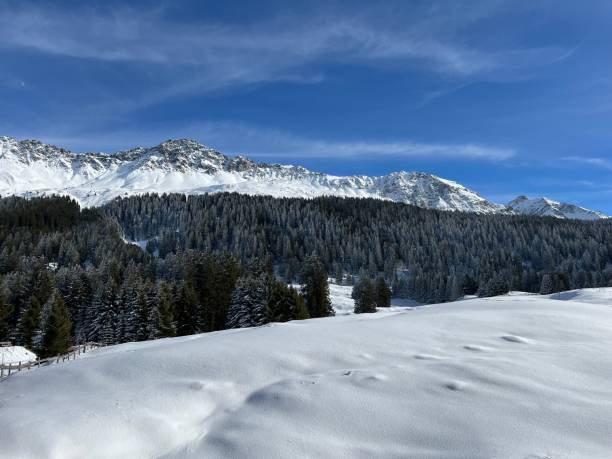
32 168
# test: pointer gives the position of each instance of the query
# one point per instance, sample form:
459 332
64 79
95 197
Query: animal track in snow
515 339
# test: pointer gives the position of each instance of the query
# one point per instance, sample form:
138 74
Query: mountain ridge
30 168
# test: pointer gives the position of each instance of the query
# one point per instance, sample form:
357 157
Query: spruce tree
249 305
315 288
186 311
165 326
57 338
29 323
382 293
298 308
6 311
364 295
546 286
286 304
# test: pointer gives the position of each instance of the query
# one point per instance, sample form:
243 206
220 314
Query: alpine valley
31 168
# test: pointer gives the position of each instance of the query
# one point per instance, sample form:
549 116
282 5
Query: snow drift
506 377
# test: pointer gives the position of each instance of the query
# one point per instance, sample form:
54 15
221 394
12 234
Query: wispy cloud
269 142
283 48
604 163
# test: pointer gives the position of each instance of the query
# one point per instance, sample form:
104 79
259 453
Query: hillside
507 377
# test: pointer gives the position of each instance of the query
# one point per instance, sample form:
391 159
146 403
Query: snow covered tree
249 305
106 303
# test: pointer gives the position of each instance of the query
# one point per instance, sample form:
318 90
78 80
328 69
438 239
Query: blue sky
507 97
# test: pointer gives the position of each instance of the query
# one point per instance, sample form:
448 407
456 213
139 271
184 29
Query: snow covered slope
31 168
16 354
586 295
505 377
544 207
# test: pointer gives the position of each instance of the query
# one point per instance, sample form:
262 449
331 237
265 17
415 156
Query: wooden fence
8 368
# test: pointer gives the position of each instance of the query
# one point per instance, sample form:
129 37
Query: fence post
19 366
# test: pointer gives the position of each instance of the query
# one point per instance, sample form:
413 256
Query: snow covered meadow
517 376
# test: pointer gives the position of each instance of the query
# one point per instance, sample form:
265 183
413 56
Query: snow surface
518 376
16 354
586 295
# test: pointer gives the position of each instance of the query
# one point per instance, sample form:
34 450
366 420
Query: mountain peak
545 207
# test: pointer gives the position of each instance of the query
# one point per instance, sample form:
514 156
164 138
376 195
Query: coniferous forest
428 255
67 276
210 262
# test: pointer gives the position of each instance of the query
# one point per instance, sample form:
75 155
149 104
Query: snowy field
518 376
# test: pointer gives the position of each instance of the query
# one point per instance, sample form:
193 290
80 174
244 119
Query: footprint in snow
455 385
476 348
426 357
515 339
196 385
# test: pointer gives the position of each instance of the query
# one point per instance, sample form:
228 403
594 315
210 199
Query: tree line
428 255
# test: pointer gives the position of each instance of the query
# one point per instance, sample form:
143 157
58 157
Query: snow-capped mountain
544 207
30 168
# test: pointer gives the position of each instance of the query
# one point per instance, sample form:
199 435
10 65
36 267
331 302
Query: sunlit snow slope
545 207
518 376
31 168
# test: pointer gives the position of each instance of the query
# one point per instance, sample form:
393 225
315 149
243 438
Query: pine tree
382 293
546 286
29 323
364 295
286 304
57 338
315 289
106 305
298 308
6 311
249 305
186 311
165 326
495 286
